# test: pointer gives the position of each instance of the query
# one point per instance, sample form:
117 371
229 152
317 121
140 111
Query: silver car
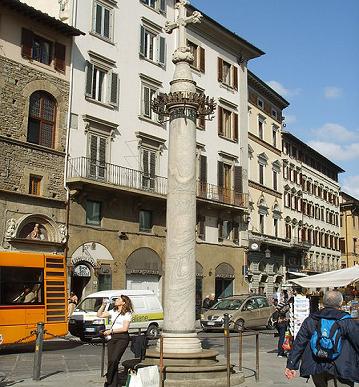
245 311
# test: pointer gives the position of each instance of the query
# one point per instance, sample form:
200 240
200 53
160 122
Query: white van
148 313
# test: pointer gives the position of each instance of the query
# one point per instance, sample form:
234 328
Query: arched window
42 116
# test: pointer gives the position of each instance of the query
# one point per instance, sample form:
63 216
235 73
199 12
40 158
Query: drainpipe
67 151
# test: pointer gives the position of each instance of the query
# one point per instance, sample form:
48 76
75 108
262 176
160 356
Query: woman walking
121 316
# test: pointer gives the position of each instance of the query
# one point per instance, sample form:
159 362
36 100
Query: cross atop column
182 21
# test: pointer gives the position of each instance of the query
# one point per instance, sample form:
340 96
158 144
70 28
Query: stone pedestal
193 369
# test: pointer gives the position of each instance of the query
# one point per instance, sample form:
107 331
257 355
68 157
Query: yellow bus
32 290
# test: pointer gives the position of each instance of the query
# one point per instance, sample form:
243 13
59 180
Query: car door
250 313
264 310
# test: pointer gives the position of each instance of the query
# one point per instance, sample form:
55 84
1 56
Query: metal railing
101 172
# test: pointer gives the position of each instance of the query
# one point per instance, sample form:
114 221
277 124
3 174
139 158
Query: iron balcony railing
86 168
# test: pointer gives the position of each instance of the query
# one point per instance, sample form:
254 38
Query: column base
180 343
193 369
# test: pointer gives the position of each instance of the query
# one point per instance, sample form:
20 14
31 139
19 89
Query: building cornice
262 188
256 139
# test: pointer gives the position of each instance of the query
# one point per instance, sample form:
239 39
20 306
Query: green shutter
142 41
114 89
162 51
89 74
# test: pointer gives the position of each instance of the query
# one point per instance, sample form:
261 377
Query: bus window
21 285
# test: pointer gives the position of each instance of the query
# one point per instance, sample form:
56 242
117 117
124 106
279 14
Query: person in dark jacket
344 370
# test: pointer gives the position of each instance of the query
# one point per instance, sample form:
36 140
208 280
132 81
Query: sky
312 60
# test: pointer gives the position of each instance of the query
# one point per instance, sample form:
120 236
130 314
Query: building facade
34 93
267 245
349 230
311 205
118 148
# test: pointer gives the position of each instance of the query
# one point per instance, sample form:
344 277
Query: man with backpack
327 346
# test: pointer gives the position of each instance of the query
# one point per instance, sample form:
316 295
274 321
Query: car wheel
85 339
153 331
239 325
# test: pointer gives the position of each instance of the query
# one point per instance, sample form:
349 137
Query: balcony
84 170
299 243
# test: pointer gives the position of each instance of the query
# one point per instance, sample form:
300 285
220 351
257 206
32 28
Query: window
261 223
274 136
93 212
275 180
158 5
198 55
102 84
148 168
260 103
152 45
97 150
102 20
227 124
261 174
274 113
21 285
42 116
42 50
275 227
35 185
260 127
145 221
288 231
148 94
226 229
227 74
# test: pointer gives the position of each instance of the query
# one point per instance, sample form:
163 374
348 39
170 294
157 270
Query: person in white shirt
121 316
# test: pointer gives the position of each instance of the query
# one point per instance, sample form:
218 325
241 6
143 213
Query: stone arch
49 229
199 270
224 270
61 106
144 261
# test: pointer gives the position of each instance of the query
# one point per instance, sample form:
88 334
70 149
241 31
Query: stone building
267 243
34 96
349 230
311 205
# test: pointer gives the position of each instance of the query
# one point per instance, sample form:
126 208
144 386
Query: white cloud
335 132
280 89
334 151
332 92
351 185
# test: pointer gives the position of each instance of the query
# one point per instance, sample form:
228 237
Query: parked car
147 316
245 311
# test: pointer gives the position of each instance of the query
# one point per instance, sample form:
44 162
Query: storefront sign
143 271
87 259
82 271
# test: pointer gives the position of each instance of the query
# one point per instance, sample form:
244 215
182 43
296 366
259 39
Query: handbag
287 344
144 377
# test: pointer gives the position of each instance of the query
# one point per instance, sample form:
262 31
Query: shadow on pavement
48 347
51 374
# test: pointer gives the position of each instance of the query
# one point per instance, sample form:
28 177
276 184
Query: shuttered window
158 5
227 74
227 124
35 185
42 117
93 212
97 156
198 56
102 85
60 56
148 168
102 20
152 46
148 93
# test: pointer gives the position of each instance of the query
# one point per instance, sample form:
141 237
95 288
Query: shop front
224 283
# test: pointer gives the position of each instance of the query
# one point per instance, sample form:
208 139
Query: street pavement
74 364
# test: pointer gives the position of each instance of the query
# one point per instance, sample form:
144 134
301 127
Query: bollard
38 351
161 362
257 357
103 358
228 347
240 349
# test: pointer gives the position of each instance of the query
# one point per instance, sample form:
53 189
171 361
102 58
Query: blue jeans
281 328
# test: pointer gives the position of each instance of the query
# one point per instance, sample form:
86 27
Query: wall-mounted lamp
247 219
122 235
267 253
210 273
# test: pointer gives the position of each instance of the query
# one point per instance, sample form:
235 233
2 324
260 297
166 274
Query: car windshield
89 304
228 304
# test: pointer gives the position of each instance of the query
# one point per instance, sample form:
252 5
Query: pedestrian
282 326
327 364
117 336
206 302
72 302
212 300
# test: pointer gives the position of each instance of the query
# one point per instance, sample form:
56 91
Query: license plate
89 329
210 323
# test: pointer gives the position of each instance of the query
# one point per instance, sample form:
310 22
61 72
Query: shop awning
298 274
331 279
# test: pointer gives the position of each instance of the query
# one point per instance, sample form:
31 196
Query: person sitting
206 302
